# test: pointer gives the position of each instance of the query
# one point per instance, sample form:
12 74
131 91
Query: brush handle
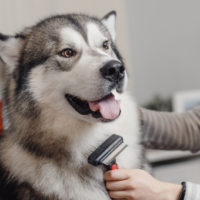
114 166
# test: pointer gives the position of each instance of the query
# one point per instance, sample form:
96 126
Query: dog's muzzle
107 108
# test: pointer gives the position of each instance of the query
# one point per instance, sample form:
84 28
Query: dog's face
69 64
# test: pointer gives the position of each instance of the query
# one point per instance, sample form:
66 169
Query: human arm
171 131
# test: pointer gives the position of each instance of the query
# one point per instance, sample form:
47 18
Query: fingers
120 195
119 185
116 175
120 199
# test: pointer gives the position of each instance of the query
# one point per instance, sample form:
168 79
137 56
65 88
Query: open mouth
107 108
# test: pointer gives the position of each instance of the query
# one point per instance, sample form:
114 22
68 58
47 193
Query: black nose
113 71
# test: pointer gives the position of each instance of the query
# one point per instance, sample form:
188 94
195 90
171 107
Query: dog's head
69 63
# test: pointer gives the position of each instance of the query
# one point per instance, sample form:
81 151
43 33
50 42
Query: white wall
165 41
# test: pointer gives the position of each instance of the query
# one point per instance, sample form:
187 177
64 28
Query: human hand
136 184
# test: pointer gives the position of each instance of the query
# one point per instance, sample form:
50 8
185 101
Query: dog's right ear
109 21
10 47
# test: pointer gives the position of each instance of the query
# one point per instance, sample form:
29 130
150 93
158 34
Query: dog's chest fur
72 178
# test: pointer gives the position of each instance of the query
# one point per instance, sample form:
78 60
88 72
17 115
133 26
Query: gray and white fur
44 151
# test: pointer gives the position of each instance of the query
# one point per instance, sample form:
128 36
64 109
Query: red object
1 119
115 166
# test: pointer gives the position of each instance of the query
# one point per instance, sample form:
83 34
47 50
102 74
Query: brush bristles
114 154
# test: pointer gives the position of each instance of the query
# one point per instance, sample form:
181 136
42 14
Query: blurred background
160 42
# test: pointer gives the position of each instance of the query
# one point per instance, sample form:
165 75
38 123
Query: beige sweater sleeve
171 131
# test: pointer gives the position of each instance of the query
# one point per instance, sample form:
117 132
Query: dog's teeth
116 94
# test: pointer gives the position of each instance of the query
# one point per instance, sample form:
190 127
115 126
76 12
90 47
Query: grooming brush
107 152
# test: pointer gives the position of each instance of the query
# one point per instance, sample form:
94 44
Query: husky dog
64 95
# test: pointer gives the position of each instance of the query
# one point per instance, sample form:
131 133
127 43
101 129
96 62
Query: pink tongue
108 107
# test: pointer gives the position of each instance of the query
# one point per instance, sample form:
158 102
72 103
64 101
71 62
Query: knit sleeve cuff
192 191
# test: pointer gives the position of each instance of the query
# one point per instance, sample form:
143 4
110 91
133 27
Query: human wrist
170 191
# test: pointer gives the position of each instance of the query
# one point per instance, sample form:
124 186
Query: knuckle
107 185
107 175
111 175
141 171
131 195
111 194
131 185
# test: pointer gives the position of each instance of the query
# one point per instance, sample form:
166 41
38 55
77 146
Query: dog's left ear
10 47
109 21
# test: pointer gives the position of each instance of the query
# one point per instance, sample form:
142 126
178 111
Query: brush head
107 152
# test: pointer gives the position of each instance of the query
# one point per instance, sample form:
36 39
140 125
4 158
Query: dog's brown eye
106 45
67 53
